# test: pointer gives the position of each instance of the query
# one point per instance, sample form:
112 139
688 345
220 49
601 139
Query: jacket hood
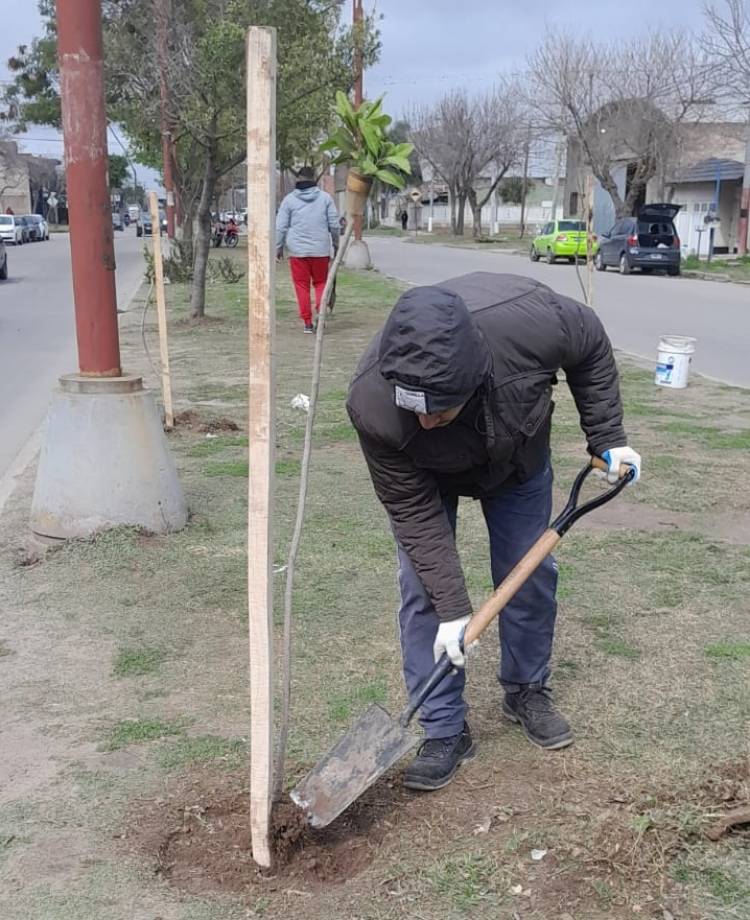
432 351
307 194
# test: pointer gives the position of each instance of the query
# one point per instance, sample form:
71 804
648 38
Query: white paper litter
300 401
516 889
536 855
210 437
484 827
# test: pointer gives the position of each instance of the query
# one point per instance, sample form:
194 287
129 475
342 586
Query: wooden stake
161 311
261 176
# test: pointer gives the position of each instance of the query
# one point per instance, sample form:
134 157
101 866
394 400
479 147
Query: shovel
377 741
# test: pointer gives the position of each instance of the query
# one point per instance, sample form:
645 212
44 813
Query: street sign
52 200
415 196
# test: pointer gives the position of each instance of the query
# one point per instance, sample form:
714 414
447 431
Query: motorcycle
231 236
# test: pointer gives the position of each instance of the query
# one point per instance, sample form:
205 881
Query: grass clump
238 468
137 731
216 445
343 705
134 662
734 651
204 749
465 880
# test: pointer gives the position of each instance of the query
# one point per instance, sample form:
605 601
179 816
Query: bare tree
462 137
621 103
12 167
726 43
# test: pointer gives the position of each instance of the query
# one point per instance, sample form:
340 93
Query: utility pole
742 227
163 17
79 26
105 460
525 182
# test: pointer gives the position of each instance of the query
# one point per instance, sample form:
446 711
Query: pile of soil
192 420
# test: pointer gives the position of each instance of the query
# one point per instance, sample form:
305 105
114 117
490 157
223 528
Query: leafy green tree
119 171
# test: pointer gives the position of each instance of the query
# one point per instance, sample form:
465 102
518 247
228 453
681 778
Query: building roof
710 170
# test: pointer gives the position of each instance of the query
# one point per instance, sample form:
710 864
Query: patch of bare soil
728 527
192 420
198 838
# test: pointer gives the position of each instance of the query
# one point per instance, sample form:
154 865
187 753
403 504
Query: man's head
306 174
434 354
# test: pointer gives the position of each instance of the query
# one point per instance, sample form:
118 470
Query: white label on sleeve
411 400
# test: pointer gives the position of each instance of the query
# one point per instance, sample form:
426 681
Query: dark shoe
437 761
537 716
309 328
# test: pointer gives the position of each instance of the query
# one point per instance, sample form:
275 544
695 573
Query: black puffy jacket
498 342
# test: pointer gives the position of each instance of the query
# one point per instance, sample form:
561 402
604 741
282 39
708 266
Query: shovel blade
374 743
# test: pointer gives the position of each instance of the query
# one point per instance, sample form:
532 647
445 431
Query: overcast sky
430 46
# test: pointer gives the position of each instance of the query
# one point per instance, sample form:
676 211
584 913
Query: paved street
37 340
636 309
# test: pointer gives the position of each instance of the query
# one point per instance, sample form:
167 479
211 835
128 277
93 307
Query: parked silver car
12 229
42 228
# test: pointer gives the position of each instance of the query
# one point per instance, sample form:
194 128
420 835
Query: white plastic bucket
673 357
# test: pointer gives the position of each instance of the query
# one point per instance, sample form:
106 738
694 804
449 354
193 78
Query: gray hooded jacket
495 342
307 222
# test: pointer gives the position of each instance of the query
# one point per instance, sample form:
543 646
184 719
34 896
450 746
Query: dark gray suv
648 242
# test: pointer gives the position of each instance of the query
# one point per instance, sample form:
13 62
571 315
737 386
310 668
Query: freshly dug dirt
195 421
198 838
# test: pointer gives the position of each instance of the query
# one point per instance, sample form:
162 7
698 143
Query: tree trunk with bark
202 243
460 214
476 214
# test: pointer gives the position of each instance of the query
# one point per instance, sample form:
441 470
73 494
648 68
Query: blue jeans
515 520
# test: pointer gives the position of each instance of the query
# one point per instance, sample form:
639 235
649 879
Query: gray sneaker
540 721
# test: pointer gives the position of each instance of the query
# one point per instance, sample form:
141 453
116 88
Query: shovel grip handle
599 464
506 591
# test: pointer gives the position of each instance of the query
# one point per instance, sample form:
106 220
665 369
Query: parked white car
11 229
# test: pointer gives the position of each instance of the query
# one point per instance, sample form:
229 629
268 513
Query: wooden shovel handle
600 464
506 591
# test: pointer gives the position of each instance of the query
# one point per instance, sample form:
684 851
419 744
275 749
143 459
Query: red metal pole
79 40
358 22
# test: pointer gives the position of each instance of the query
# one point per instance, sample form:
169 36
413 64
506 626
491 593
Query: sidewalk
123 750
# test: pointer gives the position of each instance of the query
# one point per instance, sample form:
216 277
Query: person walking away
454 398
404 219
308 224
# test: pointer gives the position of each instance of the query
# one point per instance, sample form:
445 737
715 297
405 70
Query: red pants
305 270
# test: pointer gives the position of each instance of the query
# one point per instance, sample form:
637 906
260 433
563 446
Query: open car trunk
656 234
656 227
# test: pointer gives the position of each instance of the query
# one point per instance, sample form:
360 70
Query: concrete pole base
105 462
358 255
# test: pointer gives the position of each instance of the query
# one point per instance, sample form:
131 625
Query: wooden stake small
261 182
161 311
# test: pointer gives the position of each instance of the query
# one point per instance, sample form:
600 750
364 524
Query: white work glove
448 640
616 456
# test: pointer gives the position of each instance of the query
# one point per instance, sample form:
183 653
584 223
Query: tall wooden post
261 184
161 310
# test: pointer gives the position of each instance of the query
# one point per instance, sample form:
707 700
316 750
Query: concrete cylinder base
105 462
358 255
